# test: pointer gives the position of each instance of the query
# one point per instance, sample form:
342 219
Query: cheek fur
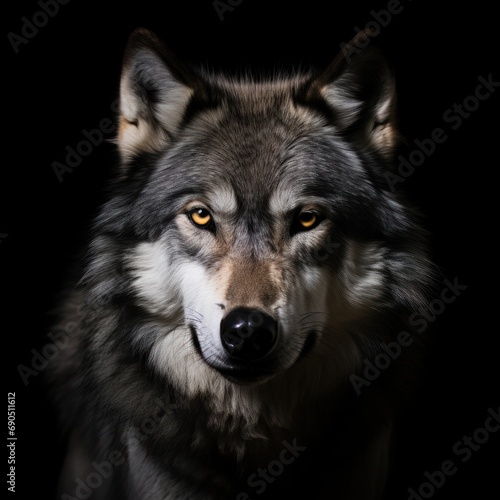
155 278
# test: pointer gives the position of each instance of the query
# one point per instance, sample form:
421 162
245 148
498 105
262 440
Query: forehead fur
248 109
258 134
252 86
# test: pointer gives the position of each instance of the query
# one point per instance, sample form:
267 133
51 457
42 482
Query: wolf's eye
201 217
307 219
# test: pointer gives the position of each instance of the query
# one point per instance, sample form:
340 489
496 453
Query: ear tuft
155 90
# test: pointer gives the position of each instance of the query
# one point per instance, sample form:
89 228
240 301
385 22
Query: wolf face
260 234
251 258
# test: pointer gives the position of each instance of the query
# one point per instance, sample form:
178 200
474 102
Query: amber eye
307 219
200 217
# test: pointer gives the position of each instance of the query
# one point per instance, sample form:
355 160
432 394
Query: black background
64 80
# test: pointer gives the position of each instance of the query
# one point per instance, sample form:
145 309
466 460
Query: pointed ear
359 90
155 90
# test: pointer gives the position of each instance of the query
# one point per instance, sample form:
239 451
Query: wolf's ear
359 89
154 92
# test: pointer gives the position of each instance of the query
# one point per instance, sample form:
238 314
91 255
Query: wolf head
251 228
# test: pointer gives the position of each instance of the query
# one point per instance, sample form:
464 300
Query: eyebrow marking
223 200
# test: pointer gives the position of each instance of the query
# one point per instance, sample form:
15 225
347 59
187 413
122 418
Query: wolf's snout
248 334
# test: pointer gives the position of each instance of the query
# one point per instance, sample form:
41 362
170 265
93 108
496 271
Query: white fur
362 274
341 100
141 134
155 282
223 201
184 290
181 291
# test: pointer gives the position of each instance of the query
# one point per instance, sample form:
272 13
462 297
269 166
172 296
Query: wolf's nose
248 334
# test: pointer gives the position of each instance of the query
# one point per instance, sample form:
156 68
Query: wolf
249 262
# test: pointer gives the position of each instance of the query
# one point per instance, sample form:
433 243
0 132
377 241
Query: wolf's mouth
246 374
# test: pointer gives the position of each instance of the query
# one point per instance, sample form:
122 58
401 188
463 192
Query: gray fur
253 152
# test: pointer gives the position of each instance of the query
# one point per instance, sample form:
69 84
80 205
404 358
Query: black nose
248 333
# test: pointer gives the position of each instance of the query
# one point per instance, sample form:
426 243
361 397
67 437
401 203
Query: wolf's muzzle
248 334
